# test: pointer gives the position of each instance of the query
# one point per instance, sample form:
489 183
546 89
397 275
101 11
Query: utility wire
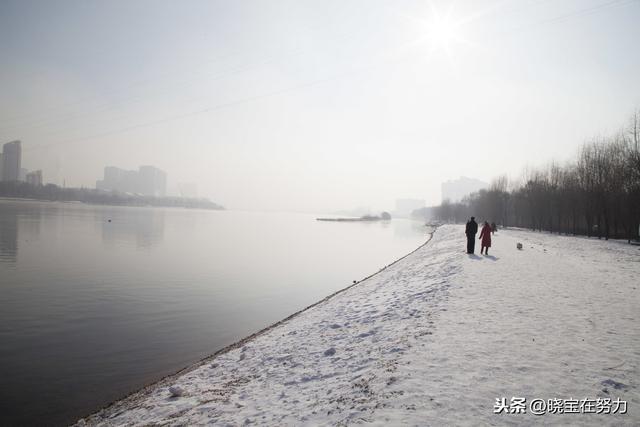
40 118
185 84
296 87
577 13
190 114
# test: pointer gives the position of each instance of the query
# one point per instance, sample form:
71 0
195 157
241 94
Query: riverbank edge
166 380
125 205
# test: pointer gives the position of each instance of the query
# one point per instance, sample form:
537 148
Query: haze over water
92 309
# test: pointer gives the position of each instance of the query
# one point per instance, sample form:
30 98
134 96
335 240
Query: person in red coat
485 236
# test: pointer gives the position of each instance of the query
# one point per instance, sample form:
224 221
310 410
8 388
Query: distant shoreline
352 219
126 205
384 216
24 191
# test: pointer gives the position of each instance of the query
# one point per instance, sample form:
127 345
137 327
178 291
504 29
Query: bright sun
440 31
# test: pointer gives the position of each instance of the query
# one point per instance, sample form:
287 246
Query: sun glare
441 34
439 30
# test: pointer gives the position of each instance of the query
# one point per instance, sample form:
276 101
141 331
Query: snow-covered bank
432 340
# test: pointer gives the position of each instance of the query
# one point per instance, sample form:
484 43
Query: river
97 301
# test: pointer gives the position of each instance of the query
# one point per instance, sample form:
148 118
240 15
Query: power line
577 13
249 99
108 105
189 114
271 59
40 119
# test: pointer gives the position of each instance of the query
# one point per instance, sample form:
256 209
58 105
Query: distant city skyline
11 165
455 190
313 106
34 178
11 161
147 180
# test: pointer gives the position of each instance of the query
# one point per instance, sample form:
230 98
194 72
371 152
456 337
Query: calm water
91 310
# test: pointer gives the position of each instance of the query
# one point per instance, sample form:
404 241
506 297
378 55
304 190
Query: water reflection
8 237
29 222
17 222
143 228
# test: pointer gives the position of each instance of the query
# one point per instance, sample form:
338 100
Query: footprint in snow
615 384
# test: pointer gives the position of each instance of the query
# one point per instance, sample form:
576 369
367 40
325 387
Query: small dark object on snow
330 352
519 246
614 384
176 391
355 281
109 220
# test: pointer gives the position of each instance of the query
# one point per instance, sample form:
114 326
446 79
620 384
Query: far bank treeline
51 192
596 194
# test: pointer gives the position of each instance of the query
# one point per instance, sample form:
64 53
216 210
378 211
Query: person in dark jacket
470 230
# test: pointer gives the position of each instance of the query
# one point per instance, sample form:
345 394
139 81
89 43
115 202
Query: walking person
470 230
485 236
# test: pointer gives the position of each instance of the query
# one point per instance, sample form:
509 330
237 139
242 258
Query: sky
313 106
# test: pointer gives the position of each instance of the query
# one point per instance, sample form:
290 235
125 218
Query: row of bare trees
597 194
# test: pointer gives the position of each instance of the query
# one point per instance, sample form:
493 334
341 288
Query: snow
434 339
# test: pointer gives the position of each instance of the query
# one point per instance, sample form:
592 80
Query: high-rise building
11 161
116 179
34 178
153 181
148 180
455 190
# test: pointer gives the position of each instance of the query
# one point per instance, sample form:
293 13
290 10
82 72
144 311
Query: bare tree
597 194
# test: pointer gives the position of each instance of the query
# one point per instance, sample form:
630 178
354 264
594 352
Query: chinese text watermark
520 405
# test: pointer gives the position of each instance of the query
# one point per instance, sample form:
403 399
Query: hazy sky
313 105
